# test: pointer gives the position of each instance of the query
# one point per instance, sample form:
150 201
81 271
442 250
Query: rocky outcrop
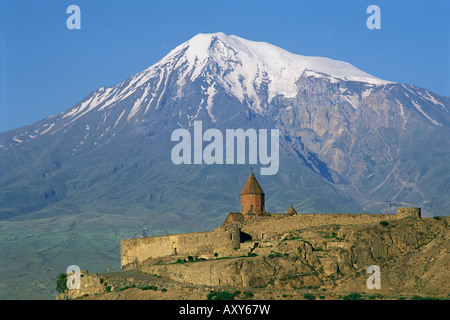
330 256
90 284
412 254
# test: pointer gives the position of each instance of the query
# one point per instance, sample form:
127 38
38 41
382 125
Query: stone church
252 226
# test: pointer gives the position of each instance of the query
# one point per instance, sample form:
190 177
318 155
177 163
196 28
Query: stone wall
138 252
142 251
265 228
252 202
407 212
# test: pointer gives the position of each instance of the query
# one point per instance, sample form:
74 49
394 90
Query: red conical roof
291 211
252 186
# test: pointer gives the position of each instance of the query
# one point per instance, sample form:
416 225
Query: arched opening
174 249
245 237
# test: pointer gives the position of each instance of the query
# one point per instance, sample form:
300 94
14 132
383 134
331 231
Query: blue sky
45 68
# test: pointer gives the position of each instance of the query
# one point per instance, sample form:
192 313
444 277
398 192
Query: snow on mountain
359 134
249 71
242 67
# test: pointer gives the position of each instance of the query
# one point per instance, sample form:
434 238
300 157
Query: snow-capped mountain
246 68
349 141
252 72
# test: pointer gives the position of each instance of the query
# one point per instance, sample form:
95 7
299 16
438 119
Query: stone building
252 225
252 203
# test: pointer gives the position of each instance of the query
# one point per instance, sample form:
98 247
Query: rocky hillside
75 183
329 262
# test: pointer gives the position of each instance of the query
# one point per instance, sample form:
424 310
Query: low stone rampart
137 252
265 228
142 251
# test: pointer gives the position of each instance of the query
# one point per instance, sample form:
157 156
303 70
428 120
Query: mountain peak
353 143
244 67
250 71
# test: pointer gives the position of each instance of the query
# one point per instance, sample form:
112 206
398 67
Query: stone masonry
252 223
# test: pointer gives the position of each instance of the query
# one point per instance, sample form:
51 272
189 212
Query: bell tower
252 198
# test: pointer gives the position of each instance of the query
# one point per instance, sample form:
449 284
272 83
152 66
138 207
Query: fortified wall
141 251
253 223
265 228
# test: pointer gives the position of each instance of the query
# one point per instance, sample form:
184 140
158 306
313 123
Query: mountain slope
364 136
349 142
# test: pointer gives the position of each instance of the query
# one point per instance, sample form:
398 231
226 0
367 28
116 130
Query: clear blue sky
45 68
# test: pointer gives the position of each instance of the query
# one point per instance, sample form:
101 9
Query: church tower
252 198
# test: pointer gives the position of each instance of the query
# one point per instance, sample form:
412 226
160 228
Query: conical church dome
252 186
291 211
